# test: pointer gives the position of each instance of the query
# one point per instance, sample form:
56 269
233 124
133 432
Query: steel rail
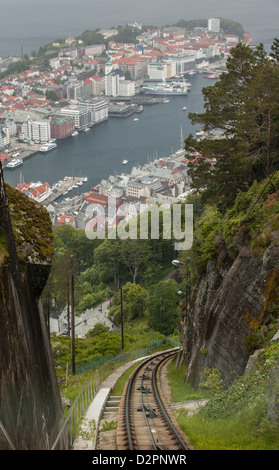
163 410
128 401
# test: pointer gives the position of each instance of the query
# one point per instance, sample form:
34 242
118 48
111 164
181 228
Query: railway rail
144 420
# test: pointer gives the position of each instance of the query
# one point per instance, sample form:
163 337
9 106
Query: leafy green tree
134 298
51 95
135 255
241 109
107 256
162 306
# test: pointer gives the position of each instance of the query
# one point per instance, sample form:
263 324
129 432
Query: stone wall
31 413
226 301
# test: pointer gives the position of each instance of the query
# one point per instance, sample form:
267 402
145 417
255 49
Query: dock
62 188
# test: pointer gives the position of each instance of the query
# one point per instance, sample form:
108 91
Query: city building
80 113
98 108
112 84
157 71
127 88
36 130
213 25
97 85
61 126
79 90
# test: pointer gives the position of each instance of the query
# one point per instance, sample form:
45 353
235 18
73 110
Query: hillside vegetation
235 182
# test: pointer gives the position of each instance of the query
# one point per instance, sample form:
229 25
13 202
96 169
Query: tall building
80 113
112 84
98 108
213 25
36 130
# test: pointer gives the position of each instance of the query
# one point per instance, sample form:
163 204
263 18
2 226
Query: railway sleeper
142 389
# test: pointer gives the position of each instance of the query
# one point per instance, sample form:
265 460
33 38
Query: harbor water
157 132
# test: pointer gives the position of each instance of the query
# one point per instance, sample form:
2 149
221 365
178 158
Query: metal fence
90 389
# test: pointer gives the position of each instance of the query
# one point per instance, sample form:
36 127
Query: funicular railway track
144 420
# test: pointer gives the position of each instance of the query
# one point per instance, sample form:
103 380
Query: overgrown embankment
232 318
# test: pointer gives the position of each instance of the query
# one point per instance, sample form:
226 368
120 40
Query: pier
62 188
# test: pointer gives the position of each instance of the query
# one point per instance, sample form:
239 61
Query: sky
32 22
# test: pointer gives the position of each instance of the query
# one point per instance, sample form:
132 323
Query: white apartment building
127 88
36 130
1 140
98 108
112 85
213 25
81 114
157 71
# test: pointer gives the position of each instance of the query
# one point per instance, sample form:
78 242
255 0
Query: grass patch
181 390
120 384
236 418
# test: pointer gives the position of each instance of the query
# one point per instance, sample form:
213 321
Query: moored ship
165 88
14 163
48 147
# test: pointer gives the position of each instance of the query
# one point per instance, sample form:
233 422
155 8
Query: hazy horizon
30 24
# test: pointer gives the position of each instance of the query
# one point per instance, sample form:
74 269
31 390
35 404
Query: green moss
32 228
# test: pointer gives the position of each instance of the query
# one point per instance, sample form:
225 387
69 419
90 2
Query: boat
74 133
136 119
184 108
14 163
212 76
124 162
140 109
167 88
48 147
199 133
86 129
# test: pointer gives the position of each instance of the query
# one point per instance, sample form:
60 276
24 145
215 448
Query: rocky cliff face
229 302
31 413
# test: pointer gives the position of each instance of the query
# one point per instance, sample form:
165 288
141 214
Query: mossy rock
32 228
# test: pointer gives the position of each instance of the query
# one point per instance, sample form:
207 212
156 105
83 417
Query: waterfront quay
62 188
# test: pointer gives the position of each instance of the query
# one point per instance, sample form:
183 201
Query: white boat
124 162
14 163
167 88
199 133
86 129
85 178
140 109
136 119
74 133
48 147
184 108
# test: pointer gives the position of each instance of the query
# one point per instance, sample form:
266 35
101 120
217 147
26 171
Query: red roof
4 157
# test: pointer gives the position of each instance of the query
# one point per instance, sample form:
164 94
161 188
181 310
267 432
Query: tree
51 95
162 306
275 51
134 299
246 127
108 257
135 255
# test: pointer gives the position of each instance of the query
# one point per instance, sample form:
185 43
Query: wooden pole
72 319
122 332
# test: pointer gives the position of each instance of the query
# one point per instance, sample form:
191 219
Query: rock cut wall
226 303
31 413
